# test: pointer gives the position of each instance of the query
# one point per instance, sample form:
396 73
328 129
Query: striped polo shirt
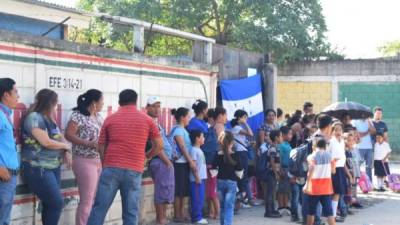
125 134
320 180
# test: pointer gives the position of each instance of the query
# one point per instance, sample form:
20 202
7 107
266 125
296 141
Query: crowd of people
221 166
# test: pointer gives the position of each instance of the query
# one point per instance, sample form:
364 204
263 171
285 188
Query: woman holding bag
43 151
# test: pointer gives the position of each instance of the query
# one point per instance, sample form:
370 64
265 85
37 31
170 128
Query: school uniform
381 167
339 180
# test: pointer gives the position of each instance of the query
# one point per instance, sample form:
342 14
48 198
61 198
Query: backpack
298 165
176 151
210 146
365 183
262 168
394 182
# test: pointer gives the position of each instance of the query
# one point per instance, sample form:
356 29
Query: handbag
250 150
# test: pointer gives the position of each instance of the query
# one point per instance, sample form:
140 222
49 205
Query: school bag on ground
365 183
394 182
210 146
298 165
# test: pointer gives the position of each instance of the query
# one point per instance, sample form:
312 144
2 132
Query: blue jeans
197 196
129 183
367 155
297 197
7 192
305 206
46 185
227 196
342 206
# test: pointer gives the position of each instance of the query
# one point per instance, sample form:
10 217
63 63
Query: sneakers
381 189
284 211
357 205
202 221
340 219
272 215
294 219
254 203
246 206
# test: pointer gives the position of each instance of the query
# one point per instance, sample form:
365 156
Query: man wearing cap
8 153
161 167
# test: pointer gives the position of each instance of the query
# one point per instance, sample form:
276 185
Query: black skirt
381 168
182 188
339 181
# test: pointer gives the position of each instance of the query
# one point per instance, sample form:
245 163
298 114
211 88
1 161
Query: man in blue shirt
161 167
9 164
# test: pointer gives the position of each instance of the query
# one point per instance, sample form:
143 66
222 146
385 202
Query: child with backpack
381 157
284 181
319 186
198 177
273 174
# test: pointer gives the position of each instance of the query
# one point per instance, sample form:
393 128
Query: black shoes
273 215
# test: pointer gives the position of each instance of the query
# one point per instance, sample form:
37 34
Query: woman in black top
230 170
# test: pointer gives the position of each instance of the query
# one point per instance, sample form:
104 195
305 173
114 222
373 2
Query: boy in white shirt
198 177
381 158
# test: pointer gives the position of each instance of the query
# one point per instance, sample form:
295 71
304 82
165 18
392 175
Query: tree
290 30
391 48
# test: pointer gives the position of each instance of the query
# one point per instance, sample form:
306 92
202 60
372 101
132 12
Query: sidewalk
380 209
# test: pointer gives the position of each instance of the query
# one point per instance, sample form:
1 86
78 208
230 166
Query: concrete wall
292 95
371 82
70 69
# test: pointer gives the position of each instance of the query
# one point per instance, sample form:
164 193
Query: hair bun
173 112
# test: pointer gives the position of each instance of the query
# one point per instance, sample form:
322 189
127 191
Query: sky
355 27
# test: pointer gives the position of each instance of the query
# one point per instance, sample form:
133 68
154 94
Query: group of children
224 177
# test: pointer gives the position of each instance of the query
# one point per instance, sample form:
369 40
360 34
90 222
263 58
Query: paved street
380 209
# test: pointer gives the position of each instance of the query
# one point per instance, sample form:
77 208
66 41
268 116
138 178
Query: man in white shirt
365 130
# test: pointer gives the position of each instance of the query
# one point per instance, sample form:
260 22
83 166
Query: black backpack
298 165
262 168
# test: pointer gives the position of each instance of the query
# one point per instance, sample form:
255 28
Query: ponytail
238 114
179 113
86 99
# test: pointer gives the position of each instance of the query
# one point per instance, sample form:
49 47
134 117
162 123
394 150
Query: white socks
380 182
334 207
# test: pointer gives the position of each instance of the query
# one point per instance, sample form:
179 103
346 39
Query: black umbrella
354 109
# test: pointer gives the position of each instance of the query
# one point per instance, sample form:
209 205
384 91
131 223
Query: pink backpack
365 183
394 182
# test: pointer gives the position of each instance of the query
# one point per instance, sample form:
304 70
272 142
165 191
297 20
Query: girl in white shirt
337 148
381 156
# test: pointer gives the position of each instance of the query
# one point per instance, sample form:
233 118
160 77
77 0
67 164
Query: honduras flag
245 94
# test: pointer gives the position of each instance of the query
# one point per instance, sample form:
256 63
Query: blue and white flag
245 94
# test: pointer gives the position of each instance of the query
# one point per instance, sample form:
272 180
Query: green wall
386 95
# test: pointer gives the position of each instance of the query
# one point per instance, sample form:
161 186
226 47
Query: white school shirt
381 150
337 149
239 137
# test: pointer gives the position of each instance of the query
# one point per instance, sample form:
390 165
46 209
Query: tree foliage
391 48
290 30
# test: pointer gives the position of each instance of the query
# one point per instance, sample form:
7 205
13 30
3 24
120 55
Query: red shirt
125 134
